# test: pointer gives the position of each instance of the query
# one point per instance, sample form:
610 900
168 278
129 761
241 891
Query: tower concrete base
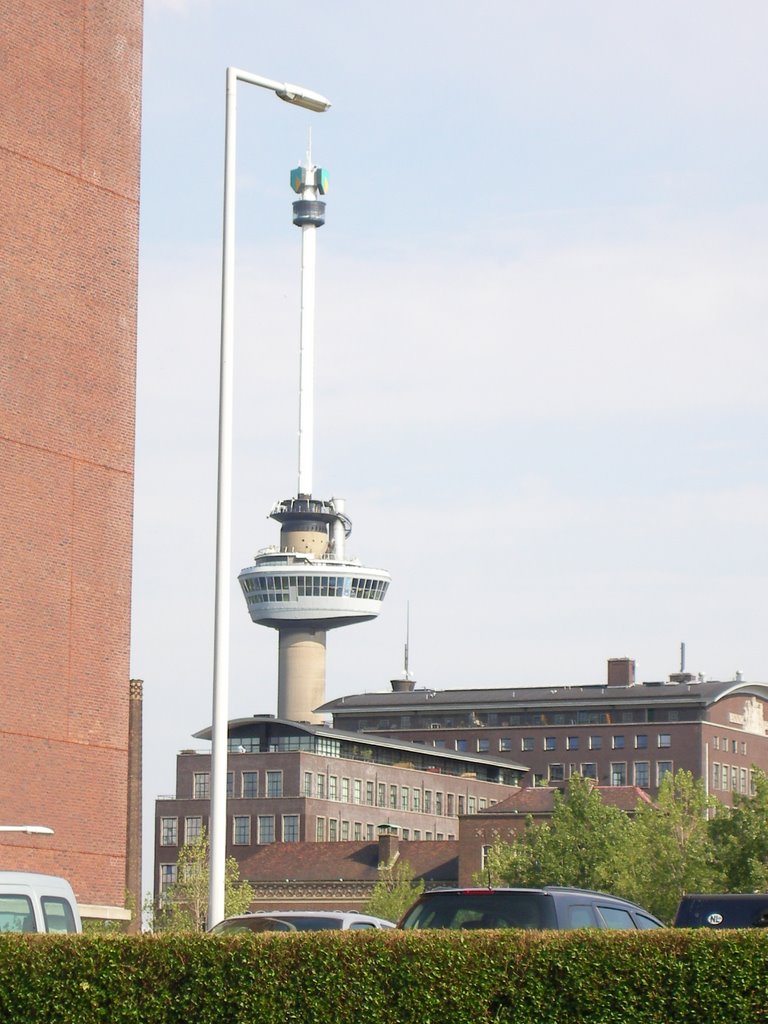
301 674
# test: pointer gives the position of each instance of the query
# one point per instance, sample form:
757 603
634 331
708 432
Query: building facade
295 783
619 733
69 147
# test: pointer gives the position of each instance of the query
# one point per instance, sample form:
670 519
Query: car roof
334 915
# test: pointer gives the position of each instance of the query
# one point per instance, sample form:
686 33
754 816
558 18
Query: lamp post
218 823
30 830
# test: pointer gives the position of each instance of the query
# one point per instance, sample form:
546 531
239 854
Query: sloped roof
436 860
541 799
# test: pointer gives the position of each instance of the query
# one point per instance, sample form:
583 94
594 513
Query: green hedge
435 977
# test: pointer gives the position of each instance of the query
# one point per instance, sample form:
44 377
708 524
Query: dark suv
723 910
550 907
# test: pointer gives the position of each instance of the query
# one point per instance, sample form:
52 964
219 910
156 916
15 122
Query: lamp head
300 97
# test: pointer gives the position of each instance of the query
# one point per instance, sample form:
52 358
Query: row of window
355 791
249 785
528 743
617 774
735 746
489 719
259 589
732 779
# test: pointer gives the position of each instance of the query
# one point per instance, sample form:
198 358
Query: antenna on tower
406 673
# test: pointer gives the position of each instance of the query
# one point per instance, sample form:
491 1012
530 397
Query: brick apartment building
619 733
69 148
307 786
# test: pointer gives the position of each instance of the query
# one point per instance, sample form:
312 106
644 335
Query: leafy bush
674 977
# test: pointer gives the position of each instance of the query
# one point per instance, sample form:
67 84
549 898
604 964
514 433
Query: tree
670 851
740 838
581 845
183 906
394 891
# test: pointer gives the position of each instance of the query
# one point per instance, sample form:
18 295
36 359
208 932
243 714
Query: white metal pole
219 733
218 819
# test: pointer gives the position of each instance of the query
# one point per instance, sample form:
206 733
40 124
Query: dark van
723 910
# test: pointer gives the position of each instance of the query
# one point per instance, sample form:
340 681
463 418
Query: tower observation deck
308 585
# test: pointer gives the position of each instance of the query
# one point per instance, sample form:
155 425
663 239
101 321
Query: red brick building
69 152
620 732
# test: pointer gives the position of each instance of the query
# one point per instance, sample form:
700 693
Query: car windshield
252 924
483 909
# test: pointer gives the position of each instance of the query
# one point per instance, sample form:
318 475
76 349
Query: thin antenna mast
407 637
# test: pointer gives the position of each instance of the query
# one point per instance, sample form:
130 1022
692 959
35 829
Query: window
427 801
483 746
450 805
642 774
369 831
193 828
57 914
462 805
333 830
555 773
345 830
618 773
274 784
290 828
369 793
726 776
241 831
345 790
734 778
266 828
716 742
393 797
618 742
572 743
526 743
715 776
307 783
662 768
550 743
320 830
406 834
201 786
357 831
589 770
742 780
167 876
734 746
664 740
417 834
641 741
416 805
320 788
595 742
505 744
333 788
472 805
743 747
461 745
438 803
169 831
250 784
405 798
357 790
616 917
230 785
381 795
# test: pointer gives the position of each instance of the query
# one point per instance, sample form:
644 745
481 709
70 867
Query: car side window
646 923
361 924
580 915
57 914
615 917
16 914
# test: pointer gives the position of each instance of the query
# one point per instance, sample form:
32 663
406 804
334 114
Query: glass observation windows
269 589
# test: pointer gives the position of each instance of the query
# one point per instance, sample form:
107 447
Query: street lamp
218 824
31 830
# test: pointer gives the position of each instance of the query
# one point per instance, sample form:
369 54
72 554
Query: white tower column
301 674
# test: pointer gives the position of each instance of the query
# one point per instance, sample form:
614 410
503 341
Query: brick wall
69 159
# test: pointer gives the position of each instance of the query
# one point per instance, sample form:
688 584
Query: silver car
298 921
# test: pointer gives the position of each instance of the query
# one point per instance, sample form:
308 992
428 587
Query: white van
37 903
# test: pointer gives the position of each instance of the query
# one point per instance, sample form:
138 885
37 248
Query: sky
541 368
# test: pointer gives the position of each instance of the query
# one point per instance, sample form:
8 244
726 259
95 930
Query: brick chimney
621 672
389 843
